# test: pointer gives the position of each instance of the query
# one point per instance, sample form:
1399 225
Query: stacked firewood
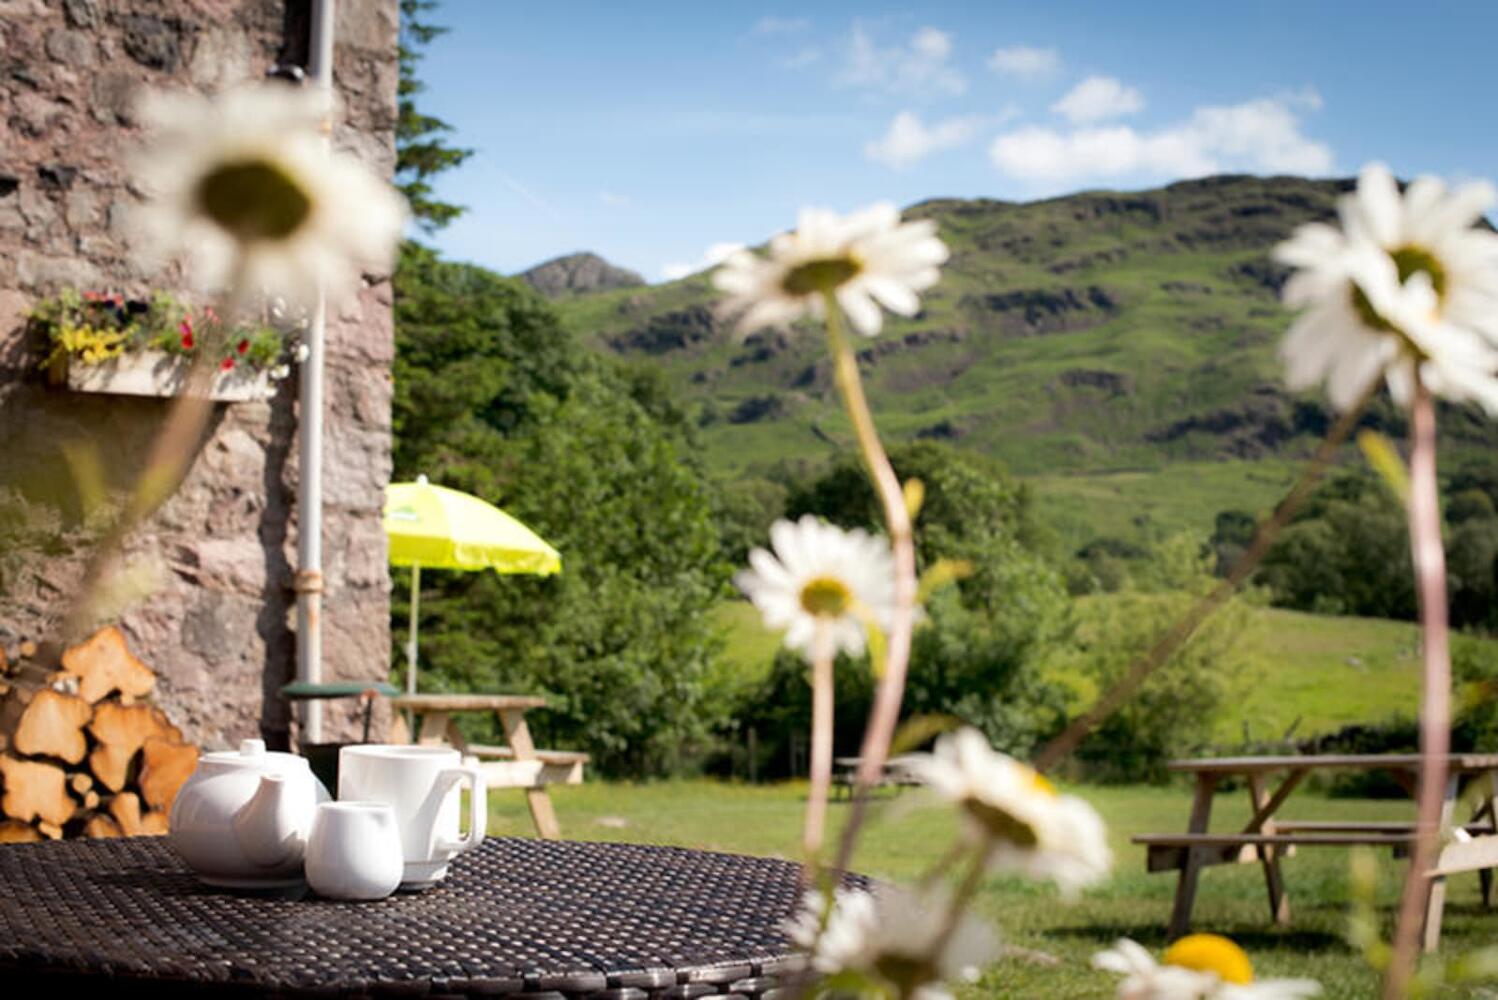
82 753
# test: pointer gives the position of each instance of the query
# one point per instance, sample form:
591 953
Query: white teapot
243 818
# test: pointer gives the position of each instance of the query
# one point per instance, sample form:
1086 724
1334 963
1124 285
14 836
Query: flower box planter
156 373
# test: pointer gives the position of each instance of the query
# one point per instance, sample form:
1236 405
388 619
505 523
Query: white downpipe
309 580
415 613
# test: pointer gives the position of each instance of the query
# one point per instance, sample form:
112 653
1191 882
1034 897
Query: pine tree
420 145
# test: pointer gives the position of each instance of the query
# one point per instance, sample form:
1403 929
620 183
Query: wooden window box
157 373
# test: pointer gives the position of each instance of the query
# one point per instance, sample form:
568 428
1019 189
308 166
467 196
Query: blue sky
656 134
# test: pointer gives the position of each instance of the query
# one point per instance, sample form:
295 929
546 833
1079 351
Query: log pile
82 753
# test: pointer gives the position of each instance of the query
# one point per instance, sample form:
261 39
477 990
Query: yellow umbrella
434 526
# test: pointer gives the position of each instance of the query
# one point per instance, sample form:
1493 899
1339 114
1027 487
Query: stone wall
216 616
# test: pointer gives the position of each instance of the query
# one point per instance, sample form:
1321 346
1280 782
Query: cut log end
35 790
120 731
101 826
104 664
52 726
167 765
126 811
13 831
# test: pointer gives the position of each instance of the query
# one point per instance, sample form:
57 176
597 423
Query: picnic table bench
518 765
1473 845
845 774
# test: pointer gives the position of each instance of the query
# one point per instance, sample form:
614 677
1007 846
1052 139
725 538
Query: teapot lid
252 756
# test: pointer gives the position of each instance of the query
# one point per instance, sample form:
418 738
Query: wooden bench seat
1168 850
845 774
547 767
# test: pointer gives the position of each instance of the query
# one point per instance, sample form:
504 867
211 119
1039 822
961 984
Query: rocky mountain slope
578 273
1091 335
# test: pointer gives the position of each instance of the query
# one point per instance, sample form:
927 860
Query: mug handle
478 810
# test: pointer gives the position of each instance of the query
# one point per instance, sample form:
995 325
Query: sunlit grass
765 820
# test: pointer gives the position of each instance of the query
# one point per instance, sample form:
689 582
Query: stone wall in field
214 613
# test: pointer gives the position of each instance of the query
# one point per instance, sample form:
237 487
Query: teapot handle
478 809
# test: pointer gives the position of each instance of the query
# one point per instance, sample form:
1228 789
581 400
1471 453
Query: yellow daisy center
1041 784
1408 260
254 200
826 597
1211 953
821 275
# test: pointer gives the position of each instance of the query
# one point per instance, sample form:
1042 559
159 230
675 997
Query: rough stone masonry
216 613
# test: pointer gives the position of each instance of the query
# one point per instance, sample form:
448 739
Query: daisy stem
821 747
944 863
971 880
884 716
166 465
1165 647
1435 699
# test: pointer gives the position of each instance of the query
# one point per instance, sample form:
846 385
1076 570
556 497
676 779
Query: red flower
92 297
212 316
227 364
244 345
186 328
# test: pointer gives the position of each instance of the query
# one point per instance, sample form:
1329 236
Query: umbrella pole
411 642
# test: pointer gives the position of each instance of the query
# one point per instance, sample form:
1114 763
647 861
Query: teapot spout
268 826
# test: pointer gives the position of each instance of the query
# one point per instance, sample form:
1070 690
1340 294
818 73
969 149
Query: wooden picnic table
1470 846
518 765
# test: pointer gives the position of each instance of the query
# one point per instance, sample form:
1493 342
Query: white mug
421 785
354 851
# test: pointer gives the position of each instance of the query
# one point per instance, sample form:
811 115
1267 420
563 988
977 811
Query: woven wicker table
522 919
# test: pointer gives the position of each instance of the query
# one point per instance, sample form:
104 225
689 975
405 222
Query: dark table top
518 918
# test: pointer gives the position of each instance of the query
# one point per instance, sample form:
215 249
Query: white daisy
1342 335
822 579
1452 361
1197 967
866 259
894 935
244 183
1027 826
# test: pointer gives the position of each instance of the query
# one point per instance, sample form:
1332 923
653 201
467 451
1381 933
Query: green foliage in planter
94 327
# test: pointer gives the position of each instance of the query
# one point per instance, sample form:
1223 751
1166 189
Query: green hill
1118 349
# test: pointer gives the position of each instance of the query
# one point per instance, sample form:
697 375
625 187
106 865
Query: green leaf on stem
920 729
1385 460
942 573
915 496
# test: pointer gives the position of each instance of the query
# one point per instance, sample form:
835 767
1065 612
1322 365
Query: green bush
976 656
1173 713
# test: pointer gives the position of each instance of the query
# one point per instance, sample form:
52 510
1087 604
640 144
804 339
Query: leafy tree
492 397
421 149
1172 714
976 656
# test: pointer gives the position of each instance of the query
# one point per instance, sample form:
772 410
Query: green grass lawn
765 820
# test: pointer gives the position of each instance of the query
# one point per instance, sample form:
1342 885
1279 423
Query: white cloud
918 68
1099 98
1307 98
802 58
711 257
781 25
615 200
909 139
1262 136
1025 62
